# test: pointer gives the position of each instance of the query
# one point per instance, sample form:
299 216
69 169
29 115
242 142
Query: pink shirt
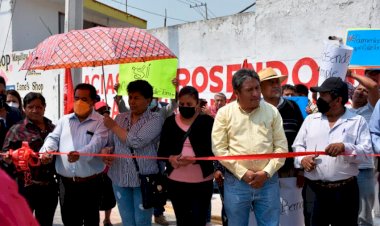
14 210
191 173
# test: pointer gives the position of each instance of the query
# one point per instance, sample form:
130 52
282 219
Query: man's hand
335 149
107 159
308 163
46 158
219 178
259 179
73 156
175 82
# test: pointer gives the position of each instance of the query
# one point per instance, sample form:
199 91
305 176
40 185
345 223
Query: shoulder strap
187 134
135 161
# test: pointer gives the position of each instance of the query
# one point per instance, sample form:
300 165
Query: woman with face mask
14 100
186 135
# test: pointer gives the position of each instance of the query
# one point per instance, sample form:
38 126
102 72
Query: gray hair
241 75
221 95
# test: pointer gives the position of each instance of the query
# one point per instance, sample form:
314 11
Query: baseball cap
335 84
99 105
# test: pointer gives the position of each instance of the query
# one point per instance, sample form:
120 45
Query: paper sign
334 61
302 103
366 44
159 73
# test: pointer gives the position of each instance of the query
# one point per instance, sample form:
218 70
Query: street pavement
169 214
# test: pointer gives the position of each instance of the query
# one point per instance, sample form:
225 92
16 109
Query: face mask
187 112
81 108
13 104
323 106
153 104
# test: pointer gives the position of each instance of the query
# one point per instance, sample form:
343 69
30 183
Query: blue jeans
129 202
366 183
240 198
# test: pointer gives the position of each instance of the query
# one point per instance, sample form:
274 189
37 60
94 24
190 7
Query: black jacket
171 142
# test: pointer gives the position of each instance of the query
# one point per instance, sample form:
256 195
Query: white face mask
13 104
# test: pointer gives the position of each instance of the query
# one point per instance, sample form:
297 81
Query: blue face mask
153 104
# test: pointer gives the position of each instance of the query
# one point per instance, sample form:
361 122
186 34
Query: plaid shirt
27 131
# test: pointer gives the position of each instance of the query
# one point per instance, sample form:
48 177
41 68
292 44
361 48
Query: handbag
153 187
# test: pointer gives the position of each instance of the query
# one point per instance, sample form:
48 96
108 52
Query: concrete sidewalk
169 214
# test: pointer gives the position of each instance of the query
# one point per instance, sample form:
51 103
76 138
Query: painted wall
285 34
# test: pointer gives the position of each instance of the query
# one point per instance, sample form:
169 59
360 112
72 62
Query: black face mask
323 106
187 112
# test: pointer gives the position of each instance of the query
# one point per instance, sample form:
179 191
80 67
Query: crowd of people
338 187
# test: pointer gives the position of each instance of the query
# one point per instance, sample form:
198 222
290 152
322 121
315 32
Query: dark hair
85 86
97 99
342 92
141 86
18 97
287 86
241 75
34 96
302 89
189 90
2 81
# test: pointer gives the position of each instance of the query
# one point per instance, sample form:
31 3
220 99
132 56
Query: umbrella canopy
96 47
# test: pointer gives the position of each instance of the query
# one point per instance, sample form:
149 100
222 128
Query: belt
43 183
79 179
332 184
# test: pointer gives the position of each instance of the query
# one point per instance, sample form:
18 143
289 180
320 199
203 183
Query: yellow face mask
81 108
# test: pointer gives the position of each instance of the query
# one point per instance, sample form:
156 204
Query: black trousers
80 201
190 201
42 200
335 206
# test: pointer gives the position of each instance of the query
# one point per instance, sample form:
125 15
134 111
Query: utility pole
74 21
165 18
200 5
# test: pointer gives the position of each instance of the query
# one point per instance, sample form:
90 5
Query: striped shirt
143 137
70 134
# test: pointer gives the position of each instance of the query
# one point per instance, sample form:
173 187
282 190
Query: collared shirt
236 132
28 131
315 134
70 134
374 127
366 112
143 137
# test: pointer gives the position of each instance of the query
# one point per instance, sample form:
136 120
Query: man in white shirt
345 138
364 99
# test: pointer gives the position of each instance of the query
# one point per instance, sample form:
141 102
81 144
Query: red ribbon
230 157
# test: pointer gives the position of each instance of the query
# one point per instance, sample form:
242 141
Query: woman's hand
185 160
107 159
173 159
109 122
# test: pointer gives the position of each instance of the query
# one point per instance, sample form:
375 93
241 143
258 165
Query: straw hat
269 73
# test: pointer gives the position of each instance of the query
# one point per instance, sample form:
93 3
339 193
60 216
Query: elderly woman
137 130
38 184
184 135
